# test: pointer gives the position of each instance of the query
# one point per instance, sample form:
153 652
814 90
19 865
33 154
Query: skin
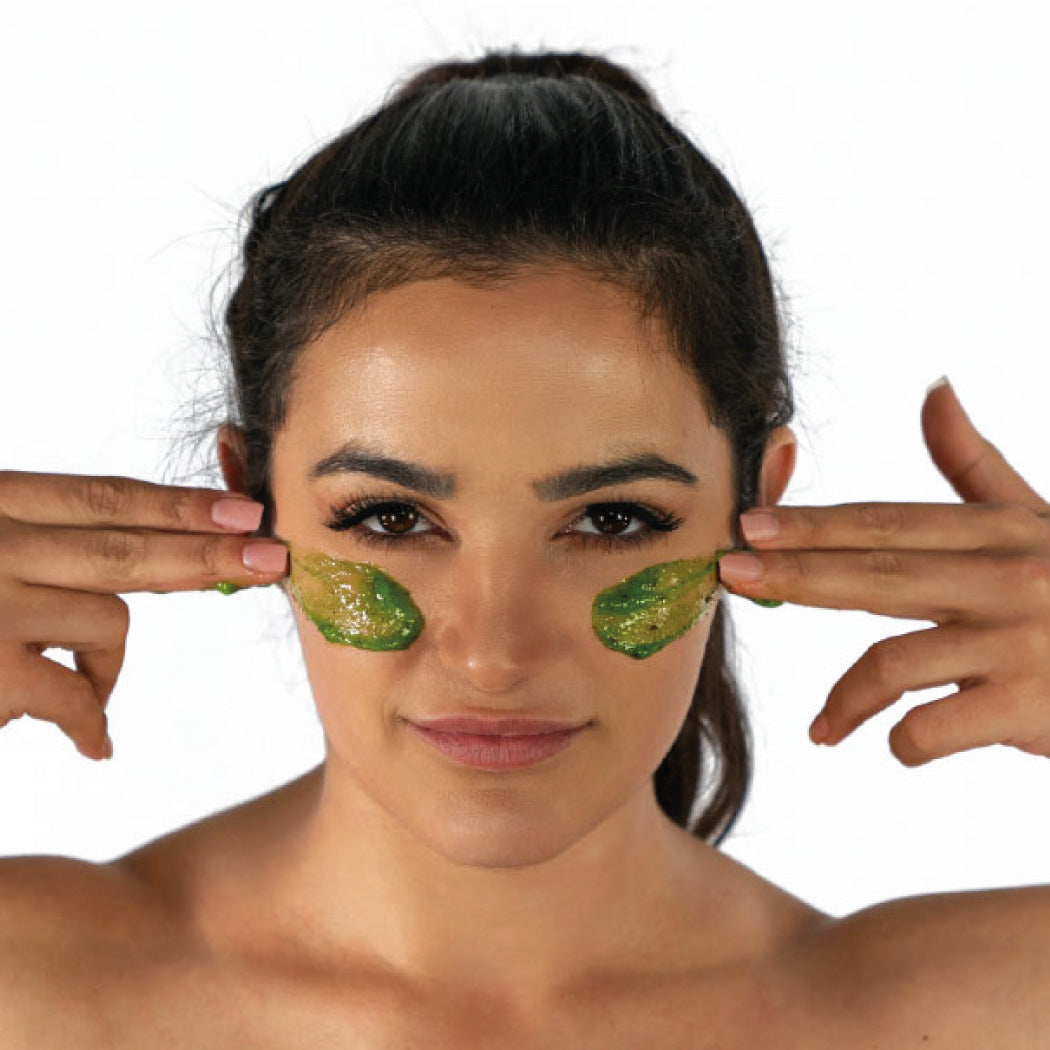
473 879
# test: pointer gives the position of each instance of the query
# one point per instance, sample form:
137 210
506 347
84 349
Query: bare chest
177 1006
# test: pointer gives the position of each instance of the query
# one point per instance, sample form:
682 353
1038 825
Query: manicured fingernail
237 514
744 567
107 747
758 525
265 557
820 730
937 382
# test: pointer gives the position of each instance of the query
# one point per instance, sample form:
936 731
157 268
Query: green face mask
356 603
641 614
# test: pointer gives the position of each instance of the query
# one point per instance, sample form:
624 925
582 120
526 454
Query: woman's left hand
980 570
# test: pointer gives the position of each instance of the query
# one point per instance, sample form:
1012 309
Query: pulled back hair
473 170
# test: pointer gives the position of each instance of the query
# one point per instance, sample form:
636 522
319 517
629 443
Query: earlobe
778 464
231 450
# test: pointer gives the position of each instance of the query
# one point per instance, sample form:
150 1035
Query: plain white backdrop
895 161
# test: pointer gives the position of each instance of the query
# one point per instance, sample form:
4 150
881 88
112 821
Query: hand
67 544
979 570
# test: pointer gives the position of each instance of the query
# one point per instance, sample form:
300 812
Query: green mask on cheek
641 614
356 603
353 603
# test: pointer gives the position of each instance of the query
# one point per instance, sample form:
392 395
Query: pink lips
495 726
496 744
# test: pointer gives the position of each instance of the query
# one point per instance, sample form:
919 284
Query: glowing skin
356 603
500 387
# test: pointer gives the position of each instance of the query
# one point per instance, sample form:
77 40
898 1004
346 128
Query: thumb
974 467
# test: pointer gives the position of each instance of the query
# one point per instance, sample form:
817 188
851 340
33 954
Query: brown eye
612 519
398 521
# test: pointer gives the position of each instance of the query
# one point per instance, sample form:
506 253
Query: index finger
88 500
921 526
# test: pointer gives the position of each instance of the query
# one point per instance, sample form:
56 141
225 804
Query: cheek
646 703
353 603
350 686
645 612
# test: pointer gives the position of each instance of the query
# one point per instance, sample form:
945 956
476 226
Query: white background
895 161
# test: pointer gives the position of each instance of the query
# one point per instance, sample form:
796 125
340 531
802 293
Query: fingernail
265 557
942 381
820 730
107 747
758 525
741 566
237 514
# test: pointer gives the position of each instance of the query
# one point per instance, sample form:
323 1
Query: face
501 389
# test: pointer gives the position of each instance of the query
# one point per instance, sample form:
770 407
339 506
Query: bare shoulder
67 927
50 897
961 969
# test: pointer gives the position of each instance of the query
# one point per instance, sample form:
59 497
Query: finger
48 691
907 662
101 667
932 526
912 585
112 560
94 627
979 716
974 467
85 500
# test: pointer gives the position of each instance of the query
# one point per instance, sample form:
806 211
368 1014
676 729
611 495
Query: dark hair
474 169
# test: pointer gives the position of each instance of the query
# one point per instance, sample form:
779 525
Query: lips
495 726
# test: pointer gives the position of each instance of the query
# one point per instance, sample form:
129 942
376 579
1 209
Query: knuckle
1017 521
177 506
885 662
215 555
1014 705
879 521
881 564
118 614
1032 573
789 564
117 551
805 523
1029 644
105 497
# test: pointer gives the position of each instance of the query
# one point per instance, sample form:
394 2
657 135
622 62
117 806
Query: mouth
496 727
502 750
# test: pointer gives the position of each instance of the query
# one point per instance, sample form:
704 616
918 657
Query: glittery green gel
226 587
354 603
641 614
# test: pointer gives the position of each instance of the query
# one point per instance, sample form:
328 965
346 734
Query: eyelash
349 516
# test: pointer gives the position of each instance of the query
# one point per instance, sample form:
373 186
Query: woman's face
499 388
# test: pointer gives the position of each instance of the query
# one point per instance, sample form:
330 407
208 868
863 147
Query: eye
403 518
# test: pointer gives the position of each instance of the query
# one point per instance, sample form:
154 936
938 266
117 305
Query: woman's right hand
68 544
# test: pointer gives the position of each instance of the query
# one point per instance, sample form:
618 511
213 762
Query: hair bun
538 64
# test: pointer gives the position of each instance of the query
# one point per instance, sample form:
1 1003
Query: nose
497 620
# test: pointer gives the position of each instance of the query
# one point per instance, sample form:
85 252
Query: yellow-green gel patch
225 587
641 614
354 603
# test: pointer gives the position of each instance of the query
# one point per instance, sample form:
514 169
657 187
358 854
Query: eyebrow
355 458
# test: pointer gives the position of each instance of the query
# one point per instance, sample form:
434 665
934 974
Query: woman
507 370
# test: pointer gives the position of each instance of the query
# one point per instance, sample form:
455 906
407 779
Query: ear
778 464
231 447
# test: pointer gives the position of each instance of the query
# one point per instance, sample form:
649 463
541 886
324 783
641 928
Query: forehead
549 358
